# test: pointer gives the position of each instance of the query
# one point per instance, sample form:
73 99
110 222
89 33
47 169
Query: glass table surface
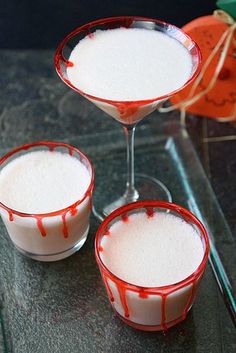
63 307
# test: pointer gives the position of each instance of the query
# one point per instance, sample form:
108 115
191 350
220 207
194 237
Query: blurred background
42 23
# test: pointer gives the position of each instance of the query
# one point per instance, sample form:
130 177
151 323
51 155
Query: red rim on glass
61 62
149 207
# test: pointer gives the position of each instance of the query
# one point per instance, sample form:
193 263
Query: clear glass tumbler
153 308
55 235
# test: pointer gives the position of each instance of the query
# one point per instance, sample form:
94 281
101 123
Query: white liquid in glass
41 182
129 64
152 251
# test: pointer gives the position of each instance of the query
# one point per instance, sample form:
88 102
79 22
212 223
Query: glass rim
59 57
155 204
48 144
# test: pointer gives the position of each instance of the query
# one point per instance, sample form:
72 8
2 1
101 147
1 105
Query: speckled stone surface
62 307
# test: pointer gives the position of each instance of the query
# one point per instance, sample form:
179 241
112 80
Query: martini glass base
148 188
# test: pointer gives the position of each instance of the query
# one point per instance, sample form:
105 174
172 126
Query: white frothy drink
40 182
43 181
129 64
152 251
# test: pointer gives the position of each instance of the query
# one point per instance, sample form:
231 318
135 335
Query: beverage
131 64
45 197
153 260
152 251
127 66
42 182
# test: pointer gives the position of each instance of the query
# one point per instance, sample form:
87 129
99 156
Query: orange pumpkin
220 101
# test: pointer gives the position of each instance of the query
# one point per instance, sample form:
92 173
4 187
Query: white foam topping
152 251
129 64
43 181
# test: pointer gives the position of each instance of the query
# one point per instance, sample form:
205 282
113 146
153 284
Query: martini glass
127 113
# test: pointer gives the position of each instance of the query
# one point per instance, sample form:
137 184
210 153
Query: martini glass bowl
127 113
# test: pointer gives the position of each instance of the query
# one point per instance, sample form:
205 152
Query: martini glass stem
131 194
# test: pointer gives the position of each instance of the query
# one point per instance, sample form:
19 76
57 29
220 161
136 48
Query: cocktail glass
127 113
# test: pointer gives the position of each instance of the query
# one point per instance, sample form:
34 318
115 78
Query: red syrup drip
65 229
163 311
90 35
126 111
10 215
107 233
108 289
40 226
51 148
100 248
71 151
125 217
69 63
73 211
122 295
142 294
150 212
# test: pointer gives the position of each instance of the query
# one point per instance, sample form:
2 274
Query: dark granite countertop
36 105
